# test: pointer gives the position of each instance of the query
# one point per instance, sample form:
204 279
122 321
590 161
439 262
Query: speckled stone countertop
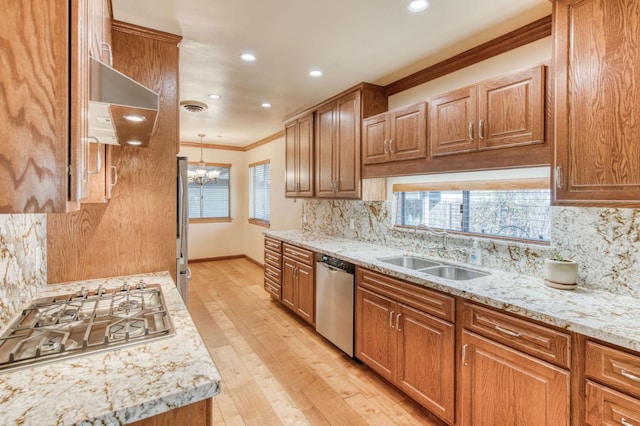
595 313
115 386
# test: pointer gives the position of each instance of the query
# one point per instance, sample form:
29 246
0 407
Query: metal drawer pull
398 322
464 355
391 319
558 177
481 129
391 150
471 131
630 376
624 422
98 157
384 147
507 332
114 175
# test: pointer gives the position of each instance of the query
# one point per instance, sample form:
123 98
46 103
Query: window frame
253 220
213 219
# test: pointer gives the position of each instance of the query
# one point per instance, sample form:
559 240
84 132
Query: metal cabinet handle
188 273
481 129
470 129
114 175
630 376
398 322
391 150
107 47
558 176
624 422
464 354
98 158
507 331
391 319
384 147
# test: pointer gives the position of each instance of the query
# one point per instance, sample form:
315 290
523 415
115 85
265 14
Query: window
519 212
259 193
210 202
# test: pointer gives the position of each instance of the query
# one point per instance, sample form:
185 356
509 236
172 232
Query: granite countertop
599 314
115 386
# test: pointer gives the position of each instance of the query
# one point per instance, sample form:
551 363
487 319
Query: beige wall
239 237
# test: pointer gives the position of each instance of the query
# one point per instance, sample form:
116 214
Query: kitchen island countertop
602 315
118 385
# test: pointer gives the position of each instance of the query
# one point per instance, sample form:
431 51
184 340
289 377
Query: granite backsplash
604 241
23 262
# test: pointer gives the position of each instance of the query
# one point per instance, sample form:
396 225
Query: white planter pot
561 272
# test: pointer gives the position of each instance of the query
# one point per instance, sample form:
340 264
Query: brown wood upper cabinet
299 156
503 112
396 135
596 103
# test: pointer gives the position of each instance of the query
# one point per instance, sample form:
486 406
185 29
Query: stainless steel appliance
183 273
75 324
335 302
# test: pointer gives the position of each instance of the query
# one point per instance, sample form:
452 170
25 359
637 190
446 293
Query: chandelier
202 176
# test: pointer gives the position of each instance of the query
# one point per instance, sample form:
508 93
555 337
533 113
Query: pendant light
202 176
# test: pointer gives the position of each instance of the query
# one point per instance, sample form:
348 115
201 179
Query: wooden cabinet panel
273 288
325 139
607 407
511 110
501 386
289 283
426 366
274 274
271 244
596 109
452 117
196 414
375 135
376 339
272 258
296 253
298 290
347 147
299 156
273 277
536 340
306 293
614 368
291 162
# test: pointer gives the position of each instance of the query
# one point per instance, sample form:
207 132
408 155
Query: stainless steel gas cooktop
70 325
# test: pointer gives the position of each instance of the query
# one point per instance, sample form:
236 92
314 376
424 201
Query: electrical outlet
352 224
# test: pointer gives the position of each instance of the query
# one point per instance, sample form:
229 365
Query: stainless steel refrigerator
182 230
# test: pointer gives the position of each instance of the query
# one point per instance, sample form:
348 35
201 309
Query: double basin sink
429 267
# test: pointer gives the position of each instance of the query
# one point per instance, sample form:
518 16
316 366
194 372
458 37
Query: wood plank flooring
276 370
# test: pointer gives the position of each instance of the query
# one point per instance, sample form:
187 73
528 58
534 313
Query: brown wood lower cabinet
608 407
503 386
400 339
298 283
196 414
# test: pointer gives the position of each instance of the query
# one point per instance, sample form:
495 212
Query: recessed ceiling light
134 143
134 117
215 96
266 105
248 57
315 73
418 5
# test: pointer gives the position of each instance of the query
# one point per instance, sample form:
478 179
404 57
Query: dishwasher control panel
338 263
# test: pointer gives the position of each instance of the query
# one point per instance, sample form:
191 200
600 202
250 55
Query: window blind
211 200
259 191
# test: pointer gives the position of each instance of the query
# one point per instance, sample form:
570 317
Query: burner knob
83 292
100 291
142 285
126 287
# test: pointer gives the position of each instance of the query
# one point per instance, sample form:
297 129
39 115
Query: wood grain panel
325 136
608 407
196 414
347 146
290 157
375 137
135 232
409 133
453 122
614 368
34 107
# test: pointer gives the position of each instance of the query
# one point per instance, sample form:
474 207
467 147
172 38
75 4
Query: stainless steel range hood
121 110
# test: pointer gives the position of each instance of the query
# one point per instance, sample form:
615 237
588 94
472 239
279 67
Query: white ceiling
377 41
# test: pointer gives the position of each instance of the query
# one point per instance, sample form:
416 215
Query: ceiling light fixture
214 96
418 5
136 118
266 105
315 73
248 57
134 142
201 176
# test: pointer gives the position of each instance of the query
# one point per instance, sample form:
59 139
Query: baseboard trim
235 256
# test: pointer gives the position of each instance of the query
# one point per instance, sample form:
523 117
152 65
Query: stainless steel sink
410 262
453 273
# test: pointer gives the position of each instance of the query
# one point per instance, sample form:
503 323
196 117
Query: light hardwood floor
275 369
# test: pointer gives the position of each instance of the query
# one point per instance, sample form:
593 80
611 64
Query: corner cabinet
406 334
597 103
299 156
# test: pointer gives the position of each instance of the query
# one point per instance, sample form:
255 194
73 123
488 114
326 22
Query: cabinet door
376 336
453 122
347 147
409 133
608 407
289 283
306 293
511 110
305 156
502 386
426 360
597 108
325 132
291 163
374 139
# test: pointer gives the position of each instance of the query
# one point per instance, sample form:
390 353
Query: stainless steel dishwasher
334 302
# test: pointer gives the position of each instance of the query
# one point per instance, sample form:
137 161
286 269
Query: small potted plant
560 272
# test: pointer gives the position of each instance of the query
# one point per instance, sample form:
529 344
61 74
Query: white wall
239 237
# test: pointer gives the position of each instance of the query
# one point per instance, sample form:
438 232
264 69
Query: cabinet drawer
297 253
274 245
274 274
426 300
608 407
272 258
273 288
614 368
536 340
